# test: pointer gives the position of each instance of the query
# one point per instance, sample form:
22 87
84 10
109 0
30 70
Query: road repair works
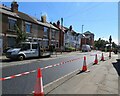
50 66
48 88
101 79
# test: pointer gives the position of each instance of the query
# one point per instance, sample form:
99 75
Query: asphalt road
25 84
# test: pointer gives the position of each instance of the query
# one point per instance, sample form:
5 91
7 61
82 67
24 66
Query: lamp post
61 33
110 40
82 28
84 36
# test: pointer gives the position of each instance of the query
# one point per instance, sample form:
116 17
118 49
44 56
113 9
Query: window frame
27 24
11 23
45 30
53 34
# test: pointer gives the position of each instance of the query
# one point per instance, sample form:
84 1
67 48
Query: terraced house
37 30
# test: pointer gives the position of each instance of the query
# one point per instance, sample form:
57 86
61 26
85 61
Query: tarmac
102 79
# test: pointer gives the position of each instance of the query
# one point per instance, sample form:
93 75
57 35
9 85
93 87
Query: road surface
25 84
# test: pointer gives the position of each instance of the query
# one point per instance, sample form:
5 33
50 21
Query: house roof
44 24
88 32
26 17
60 27
7 11
21 15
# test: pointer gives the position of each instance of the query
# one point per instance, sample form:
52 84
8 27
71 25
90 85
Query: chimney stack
14 6
43 19
70 28
58 23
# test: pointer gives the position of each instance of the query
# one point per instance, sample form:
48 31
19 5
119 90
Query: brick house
37 30
88 38
61 33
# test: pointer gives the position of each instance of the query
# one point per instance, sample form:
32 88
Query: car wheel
21 57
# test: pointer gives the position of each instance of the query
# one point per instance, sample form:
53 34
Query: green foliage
100 44
114 45
21 36
70 48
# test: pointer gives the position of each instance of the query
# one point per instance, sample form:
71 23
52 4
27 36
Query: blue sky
101 18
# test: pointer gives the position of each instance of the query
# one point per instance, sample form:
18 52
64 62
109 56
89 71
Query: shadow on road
117 66
14 60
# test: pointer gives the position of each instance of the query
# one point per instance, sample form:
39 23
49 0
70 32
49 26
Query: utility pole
61 32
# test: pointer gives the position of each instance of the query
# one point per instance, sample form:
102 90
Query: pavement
102 79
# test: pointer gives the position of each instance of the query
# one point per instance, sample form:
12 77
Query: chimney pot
14 6
58 23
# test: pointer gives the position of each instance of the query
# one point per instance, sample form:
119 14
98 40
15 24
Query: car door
26 49
34 50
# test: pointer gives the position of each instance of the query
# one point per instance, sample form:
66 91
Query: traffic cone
96 60
102 58
84 68
38 91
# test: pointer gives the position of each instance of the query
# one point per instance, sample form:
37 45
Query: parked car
86 48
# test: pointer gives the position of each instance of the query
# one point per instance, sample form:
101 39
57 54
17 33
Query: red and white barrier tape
26 73
17 75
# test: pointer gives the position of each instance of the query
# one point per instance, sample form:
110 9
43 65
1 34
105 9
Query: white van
86 48
26 50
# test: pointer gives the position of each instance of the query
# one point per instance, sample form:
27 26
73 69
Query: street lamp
82 28
83 35
110 40
61 32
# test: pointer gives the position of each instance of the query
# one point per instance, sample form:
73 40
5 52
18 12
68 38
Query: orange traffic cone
38 91
84 68
102 58
96 60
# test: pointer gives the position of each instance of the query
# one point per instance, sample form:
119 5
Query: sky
100 18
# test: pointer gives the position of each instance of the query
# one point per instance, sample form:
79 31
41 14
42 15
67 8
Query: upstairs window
45 31
11 23
53 34
27 27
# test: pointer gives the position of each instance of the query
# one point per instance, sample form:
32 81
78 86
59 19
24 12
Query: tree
114 45
100 43
21 36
